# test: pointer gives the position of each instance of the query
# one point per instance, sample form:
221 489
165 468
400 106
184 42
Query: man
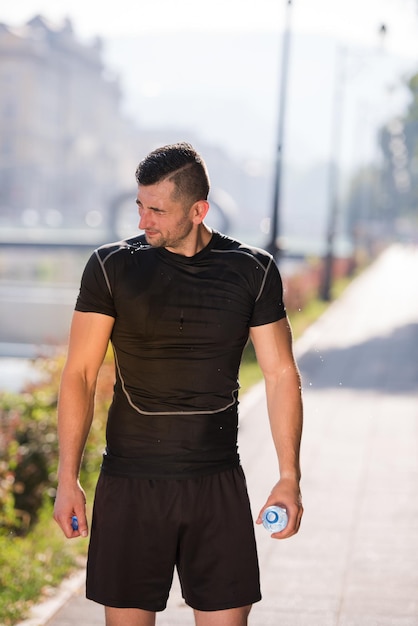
178 304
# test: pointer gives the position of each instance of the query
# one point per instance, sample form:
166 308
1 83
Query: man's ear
199 211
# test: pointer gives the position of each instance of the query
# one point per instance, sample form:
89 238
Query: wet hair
180 164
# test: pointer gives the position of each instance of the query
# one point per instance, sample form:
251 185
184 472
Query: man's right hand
71 501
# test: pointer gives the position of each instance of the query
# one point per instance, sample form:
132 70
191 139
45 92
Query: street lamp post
274 246
337 129
337 126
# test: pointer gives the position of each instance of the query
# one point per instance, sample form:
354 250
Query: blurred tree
382 201
399 144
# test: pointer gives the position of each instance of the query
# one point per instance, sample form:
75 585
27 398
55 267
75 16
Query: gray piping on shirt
265 269
126 393
102 265
118 249
142 412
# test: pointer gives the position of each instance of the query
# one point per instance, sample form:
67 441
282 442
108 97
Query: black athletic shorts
142 528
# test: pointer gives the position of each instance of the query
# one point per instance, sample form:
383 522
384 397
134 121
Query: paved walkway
355 560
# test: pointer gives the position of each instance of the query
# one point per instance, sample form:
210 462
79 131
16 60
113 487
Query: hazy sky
354 23
353 20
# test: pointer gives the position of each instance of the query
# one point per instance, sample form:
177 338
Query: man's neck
195 242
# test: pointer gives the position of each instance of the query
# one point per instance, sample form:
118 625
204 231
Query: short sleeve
95 290
269 306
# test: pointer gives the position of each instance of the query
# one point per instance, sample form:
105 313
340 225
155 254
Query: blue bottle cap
274 518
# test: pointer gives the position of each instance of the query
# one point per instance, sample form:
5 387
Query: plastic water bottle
274 518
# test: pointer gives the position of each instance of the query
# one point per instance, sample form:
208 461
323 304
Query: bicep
273 347
89 339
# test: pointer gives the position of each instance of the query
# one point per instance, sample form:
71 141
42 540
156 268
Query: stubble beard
183 230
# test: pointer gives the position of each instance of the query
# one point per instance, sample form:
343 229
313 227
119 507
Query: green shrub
31 566
29 446
34 554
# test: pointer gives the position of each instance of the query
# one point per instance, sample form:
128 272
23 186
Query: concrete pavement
355 560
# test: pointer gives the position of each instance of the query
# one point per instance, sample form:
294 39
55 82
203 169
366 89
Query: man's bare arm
273 346
89 339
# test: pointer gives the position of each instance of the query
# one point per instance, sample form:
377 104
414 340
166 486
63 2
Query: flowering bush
28 449
29 445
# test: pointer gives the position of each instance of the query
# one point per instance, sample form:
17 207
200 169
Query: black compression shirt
181 324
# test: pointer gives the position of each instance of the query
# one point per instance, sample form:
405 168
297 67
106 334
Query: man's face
166 222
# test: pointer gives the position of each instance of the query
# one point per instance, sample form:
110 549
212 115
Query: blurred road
355 560
33 314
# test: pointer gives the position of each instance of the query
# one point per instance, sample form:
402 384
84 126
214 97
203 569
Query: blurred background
306 112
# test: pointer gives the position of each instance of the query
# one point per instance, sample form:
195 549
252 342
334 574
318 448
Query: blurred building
65 149
68 154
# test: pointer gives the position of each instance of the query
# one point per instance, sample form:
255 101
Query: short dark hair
179 163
